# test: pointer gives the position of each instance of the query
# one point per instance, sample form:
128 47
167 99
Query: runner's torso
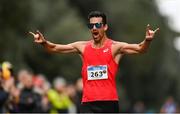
98 72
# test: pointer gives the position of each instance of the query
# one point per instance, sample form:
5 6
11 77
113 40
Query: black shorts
100 107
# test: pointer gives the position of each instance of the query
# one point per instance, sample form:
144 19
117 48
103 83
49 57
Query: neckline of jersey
105 42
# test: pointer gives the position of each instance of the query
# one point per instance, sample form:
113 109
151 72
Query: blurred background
146 83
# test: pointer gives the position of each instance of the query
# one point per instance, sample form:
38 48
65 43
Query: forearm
49 46
144 45
59 48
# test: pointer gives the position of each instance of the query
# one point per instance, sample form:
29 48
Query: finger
32 33
39 33
37 41
148 27
156 30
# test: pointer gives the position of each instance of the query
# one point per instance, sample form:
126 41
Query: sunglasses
97 25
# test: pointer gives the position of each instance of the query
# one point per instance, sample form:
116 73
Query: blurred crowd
169 106
28 92
33 93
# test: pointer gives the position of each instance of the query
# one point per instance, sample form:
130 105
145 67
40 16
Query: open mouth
95 33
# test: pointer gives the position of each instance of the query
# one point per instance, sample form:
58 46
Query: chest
98 56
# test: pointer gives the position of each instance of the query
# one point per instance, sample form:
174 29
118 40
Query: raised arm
142 47
75 47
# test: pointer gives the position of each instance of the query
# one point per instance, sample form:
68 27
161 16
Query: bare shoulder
118 44
117 47
79 45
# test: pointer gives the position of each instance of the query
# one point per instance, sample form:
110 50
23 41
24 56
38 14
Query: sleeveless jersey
98 73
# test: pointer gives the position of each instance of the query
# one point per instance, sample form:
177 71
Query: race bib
97 72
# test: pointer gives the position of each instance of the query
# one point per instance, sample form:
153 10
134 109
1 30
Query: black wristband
148 40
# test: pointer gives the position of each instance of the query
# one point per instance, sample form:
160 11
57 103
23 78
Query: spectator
6 83
5 86
169 106
139 107
29 100
13 106
79 87
41 86
71 92
58 98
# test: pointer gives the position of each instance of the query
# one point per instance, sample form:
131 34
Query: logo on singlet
105 50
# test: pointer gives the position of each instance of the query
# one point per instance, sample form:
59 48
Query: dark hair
98 14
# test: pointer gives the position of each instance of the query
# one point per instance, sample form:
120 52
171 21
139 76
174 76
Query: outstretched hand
150 33
38 37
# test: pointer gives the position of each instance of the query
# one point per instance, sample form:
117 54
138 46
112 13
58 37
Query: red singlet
98 72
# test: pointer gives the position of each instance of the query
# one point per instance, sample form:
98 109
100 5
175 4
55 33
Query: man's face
97 28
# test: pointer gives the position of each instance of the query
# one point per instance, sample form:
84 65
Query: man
6 85
100 57
29 100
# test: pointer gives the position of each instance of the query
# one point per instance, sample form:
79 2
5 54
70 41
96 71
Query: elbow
142 51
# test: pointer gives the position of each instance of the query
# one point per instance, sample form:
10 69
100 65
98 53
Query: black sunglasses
97 25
